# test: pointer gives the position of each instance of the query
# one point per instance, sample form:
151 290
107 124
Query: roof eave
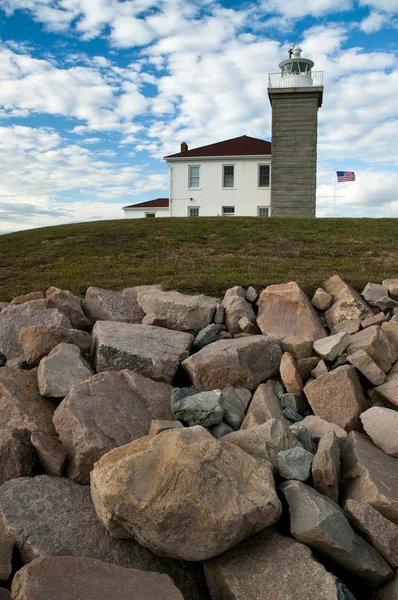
226 157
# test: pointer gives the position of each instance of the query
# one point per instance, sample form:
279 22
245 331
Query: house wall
246 196
139 213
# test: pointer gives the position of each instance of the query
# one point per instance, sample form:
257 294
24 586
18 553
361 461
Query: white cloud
389 6
292 8
373 22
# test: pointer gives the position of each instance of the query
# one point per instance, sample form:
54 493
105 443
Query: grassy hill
204 255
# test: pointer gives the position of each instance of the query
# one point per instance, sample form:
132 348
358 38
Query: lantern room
296 71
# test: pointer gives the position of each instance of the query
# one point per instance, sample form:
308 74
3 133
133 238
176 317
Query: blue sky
93 94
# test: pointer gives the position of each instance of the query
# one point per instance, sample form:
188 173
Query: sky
94 93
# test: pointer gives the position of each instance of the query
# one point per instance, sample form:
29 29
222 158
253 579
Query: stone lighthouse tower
295 94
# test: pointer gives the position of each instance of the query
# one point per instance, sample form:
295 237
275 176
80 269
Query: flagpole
334 195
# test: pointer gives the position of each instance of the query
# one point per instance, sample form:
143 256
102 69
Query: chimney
184 147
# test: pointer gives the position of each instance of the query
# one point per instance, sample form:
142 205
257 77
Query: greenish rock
178 393
292 415
219 315
279 389
304 436
236 402
296 402
339 362
206 336
218 431
205 408
295 463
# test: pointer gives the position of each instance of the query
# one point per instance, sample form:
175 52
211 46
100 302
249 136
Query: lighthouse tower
295 94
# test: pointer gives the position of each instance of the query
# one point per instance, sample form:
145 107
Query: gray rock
346 305
297 347
160 425
61 369
295 463
37 342
179 393
377 344
350 326
331 347
321 299
363 363
17 456
107 305
326 529
206 336
4 305
251 294
326 466
388 391
388 591
205 408
247 326
292 415
320 369
377 295
304 436
219 315
151 351
381 425
218 431
296 402
236 307
236 401
51 453
340 361
378 319
318 427
69 305
6 550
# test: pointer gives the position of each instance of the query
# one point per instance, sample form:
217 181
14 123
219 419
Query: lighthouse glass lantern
296 71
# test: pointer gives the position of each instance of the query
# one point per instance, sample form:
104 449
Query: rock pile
158 445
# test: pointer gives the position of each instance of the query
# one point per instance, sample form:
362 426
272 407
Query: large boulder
180 311
184 494
152 351
38 341
381 424
236 307
265 405
346 305
73 577
34 313
107 411
284 310
61 369
107 305
270 566
69 305
375 342
53 516
337 397
244 362
326 529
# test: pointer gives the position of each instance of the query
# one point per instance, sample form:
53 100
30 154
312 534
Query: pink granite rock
347 304
289 374
363 363
326 466
377 344
264 405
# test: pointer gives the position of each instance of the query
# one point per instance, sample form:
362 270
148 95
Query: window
150 215
263 176
228 176
228 211
193 176
193 211
262 211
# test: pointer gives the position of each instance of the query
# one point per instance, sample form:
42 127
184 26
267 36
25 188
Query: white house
228 178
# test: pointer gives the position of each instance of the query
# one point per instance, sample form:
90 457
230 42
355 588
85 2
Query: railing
275 80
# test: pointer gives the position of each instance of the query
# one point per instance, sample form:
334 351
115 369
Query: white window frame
230 213
259 210
228 187
190 177
148 215
264 187
190 208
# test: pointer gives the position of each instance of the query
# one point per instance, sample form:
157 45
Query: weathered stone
295 463
152 319
318 427
14 318
27 298
331 347
244 362
17 456
247 326
391 330
183 312
320 369
223 335
271 566
51 453
106 411
128 489
236 401
179 393
151 351
326 466
206 336
388 391
220 430
377 344
350 326
265 441
377 530
251 294
158 426
347 304
205 408
378 319
52 516
292 415
297 347
219 314
265 405
284 310
340 361
69 305
6 549
4 305
388 591
61 369
107 305
326 529
236 306
337 397
377 295
362 361
297 402
37 342
370 475
306 365
77 577
304 436
290 376
381 424
321 299
392 287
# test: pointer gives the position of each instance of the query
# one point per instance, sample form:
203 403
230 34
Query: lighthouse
295 94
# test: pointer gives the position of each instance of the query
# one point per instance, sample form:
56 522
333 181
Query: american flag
345 176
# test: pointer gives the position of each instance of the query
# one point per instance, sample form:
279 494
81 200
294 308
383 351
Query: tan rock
17 456
318 427
392 286
158 426
52 455
381 425
377 295
37 342
370 475
377 344
331 347
377 530
236 308
320 369
337 397
350 326
270 566
69 305
388 391
326 466
321 299
362 361
265 405
284 310
347 304
27 298
375 320
184 494
391 330
244 362
289 374
297 347
60 370
107 305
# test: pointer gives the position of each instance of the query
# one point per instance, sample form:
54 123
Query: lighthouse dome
296 71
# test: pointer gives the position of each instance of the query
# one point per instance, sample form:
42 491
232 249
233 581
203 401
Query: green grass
205 255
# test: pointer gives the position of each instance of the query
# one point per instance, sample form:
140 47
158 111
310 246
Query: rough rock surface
350 326
205 408
318 427
69 305
107 411
206 336
321 299
304 436
377 319
51 516
51 453
331 347
72 577
366 365
377 344
27 298
38 341
265 405
289 374
388 391
236 307
295 463
107 305
337 397
60 370
182 312
270 566
391 330
381 424
160 425
242 362
151 351
217 494
284 310
6 551
377 295
295 402
297 347
236 401
17 456
326 529
347 304
370 475
326 466
320 369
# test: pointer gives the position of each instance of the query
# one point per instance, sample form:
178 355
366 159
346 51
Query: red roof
158 203
239 146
